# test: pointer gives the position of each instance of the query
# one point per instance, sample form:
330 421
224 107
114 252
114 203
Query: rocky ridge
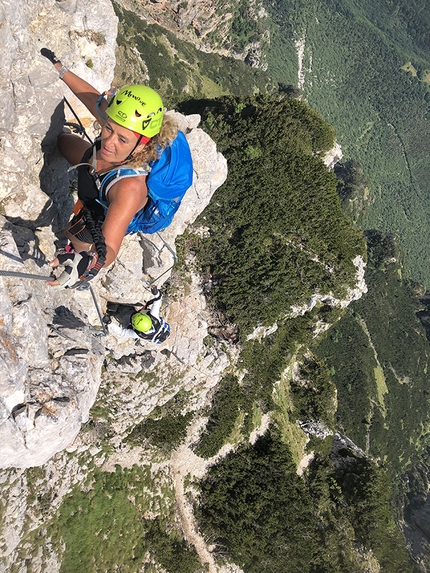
206 24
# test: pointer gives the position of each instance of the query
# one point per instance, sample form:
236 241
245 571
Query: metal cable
79 121
50 278
25 275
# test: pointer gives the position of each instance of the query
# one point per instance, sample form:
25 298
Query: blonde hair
152 150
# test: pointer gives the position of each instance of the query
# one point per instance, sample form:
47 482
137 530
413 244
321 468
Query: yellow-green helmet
141 322
138 108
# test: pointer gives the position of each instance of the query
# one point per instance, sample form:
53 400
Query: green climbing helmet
138 108
141 322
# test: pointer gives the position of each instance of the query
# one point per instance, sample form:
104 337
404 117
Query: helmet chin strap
130 155
140 139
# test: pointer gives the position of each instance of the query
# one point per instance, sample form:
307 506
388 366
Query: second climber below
144 323
134 132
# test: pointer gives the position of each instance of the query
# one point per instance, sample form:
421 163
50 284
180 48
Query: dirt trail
185 463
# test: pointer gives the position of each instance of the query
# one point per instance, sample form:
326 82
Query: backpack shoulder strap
109 180
162 333
105 183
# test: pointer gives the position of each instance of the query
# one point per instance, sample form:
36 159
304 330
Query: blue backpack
170 177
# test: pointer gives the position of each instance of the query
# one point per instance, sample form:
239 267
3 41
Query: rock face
50 368
50 359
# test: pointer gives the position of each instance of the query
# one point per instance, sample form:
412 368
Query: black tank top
87 189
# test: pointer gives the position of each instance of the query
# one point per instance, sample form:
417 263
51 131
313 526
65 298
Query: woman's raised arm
84 91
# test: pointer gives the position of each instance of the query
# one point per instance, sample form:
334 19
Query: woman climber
134 133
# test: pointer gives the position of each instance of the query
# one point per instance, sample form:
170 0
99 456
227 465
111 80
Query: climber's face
117 142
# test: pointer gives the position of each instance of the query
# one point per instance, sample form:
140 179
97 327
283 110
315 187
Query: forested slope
365 70
276 234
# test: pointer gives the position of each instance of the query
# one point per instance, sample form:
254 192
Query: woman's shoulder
131 191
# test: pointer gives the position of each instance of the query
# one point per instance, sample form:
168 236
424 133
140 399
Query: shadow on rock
64 317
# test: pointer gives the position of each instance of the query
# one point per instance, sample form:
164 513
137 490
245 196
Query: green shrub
166 427
223 415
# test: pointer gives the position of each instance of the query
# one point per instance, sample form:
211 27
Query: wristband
62 71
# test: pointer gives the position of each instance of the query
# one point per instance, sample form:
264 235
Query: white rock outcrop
50 362
352 293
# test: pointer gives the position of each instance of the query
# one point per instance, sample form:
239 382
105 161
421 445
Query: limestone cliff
50 359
